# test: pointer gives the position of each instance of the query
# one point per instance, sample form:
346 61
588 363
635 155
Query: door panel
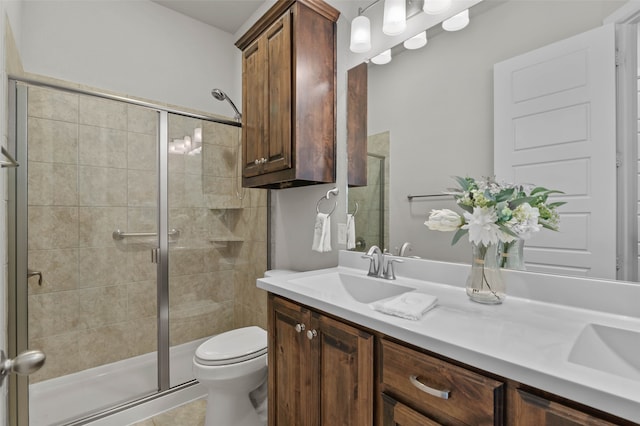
555 127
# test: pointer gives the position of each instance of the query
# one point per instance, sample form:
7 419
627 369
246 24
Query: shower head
221 96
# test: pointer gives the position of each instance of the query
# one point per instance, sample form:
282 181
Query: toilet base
228 409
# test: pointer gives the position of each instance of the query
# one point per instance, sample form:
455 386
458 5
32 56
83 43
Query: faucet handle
373 271
389 271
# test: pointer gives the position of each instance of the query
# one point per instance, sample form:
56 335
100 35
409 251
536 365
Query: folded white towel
410 305
351 231
322 233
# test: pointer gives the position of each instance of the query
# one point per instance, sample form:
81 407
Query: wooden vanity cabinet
320 369
289 96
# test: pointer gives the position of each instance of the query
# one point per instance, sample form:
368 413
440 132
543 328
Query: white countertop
523 339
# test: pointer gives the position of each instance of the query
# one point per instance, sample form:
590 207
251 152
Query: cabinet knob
256 162
300 327
264 160
311 334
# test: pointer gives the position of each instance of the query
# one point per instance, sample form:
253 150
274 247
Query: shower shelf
224 241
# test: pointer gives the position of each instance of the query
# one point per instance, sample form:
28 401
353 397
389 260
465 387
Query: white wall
437 103
134 48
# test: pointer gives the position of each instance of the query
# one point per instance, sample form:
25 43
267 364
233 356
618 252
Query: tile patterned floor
191 414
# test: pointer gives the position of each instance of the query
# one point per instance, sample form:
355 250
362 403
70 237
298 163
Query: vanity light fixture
435 7
394 20
360 34
361 31
457 22
383 58
416 42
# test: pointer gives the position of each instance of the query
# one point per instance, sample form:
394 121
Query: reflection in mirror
371 216
436 105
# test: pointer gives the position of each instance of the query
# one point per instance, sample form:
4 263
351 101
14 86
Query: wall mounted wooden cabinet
289 96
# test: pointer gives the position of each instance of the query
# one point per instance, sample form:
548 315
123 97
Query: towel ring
318 206
330 192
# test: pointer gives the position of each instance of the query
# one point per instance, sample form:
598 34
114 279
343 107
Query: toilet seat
233 346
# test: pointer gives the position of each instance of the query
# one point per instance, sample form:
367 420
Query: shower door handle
32 273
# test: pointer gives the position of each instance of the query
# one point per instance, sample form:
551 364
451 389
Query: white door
555 126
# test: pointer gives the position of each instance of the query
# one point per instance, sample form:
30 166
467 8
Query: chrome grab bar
121 235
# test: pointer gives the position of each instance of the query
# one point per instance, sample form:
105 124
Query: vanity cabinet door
533 410
292 395
344 372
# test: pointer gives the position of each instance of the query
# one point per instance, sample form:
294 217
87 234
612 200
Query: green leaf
504 195
466 208
538 189
556 204
463 182
515 203
459 233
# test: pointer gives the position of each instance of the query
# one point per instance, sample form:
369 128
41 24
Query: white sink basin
362 289
608 349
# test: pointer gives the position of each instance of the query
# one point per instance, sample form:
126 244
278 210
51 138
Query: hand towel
410 305
351 231
322 233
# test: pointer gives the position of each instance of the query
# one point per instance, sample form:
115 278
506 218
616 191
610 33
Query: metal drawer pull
444 394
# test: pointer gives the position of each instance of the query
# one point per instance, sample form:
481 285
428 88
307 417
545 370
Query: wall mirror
435 106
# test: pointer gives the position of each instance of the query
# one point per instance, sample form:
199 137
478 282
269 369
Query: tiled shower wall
92 170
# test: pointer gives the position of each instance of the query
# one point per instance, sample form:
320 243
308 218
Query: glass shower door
91 175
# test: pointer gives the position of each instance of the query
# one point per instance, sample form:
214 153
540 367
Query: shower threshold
65 399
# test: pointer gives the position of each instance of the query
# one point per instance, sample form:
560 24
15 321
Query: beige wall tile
102 306
52 141
102 345
103 147
142 120
218 160
100 186
53 227
142 151
52 104
51 314
221 134
142 188
98 223
200 321
52 184
99 267
138 265
142 300
102 112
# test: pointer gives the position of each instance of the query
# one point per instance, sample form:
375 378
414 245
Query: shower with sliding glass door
130 243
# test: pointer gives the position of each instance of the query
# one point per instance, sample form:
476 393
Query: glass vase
512 255
485 283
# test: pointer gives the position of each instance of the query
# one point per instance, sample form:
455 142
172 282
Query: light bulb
416 42
383 58
435 7
394 21
360 35
457 22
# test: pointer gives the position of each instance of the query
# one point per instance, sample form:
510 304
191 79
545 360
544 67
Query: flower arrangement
495 212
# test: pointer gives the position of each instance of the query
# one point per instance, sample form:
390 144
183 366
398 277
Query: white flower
444 220
526 218
482 226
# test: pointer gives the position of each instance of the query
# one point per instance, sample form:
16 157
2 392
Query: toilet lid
233 346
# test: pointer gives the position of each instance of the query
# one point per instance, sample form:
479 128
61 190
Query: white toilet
231 365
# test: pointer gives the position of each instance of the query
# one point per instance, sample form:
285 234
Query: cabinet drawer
443 391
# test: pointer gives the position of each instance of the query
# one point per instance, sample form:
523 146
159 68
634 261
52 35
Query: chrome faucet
376 258
381 263
405 247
